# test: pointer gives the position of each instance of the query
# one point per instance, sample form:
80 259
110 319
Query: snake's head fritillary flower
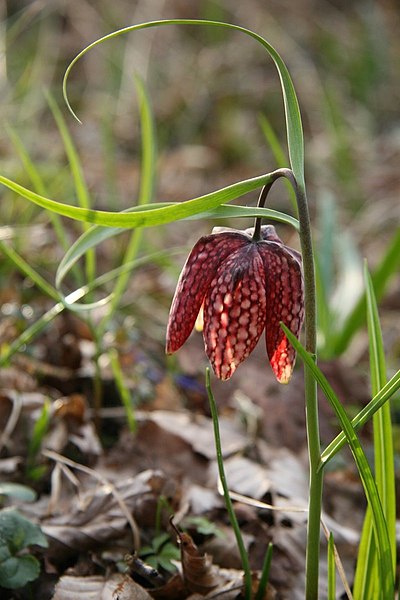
245 286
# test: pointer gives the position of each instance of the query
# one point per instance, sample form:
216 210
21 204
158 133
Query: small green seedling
17 568
160 553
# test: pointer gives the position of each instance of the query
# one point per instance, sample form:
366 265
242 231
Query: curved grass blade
143 216
388 266
371 492
97 234
294 129
40 325
82 192
146 190
392 386
28 271
40 188
279 155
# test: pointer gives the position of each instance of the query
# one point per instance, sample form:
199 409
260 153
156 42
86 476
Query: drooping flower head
245 286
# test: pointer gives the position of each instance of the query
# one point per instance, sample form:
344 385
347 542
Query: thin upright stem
310 385
228 502
311 401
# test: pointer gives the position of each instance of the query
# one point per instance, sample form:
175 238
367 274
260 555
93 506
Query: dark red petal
285 303
197 273
234 310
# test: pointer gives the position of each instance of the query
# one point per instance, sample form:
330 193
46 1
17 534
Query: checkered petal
234 310
284 292
196 276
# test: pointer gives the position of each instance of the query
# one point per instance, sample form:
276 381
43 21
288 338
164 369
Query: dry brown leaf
199 574
244 476
117 587
198 432
95 517
174 588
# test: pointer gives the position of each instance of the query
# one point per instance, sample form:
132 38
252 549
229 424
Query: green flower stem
263 197
228 502
310 387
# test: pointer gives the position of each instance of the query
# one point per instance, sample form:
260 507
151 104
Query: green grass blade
40 429
392 386
260 595
279 155
225 211
143 216
366 585
331 568
96 234
370 488
146 190
294 130
28 271
228 502
148 145
37 182
366 574
388 266
324 267
40 325
123 390
81 189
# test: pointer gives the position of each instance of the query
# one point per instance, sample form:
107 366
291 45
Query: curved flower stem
264 193
310 385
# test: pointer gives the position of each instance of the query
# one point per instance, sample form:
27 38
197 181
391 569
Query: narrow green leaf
366 582
392 386
143 216
38 183
279 155
366 577
331 568
39 431
81 189
294 130
371 492
260 595
97 234
147 182
123 390
388 266
40 325
28 271
222 477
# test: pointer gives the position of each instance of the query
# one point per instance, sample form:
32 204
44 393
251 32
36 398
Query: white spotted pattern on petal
235 310
197 273
284 303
